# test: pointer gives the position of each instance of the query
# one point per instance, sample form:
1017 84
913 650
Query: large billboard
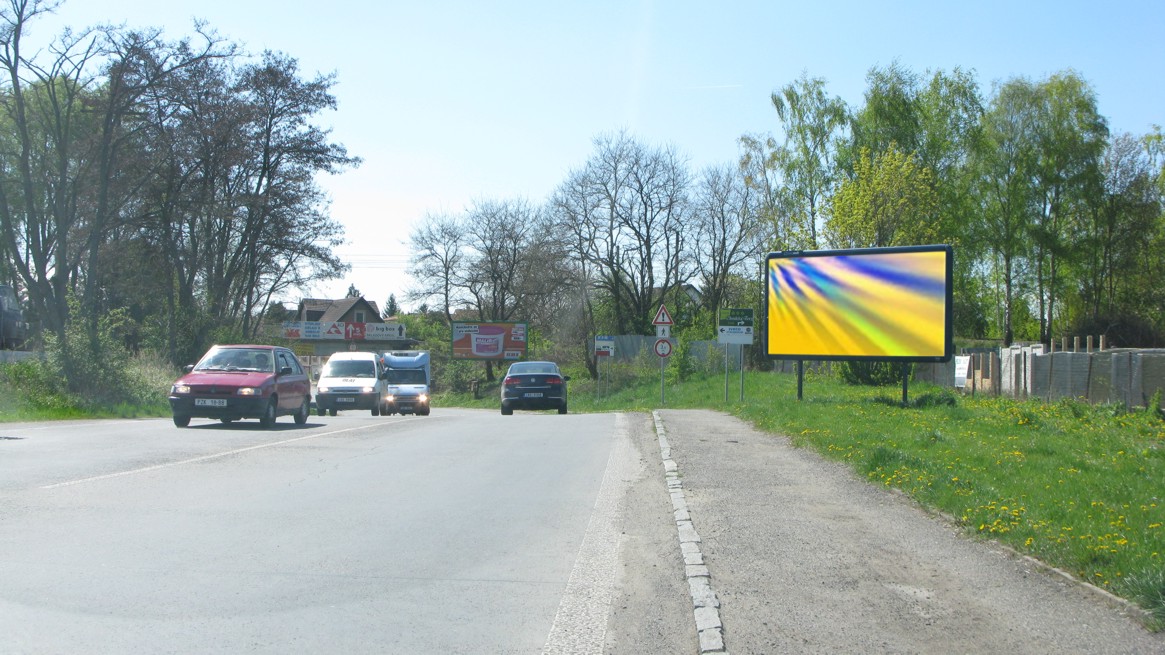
502 341
868 304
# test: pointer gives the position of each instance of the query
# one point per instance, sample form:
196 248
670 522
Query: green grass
1077 486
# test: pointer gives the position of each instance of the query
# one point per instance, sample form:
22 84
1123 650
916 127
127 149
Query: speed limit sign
663 347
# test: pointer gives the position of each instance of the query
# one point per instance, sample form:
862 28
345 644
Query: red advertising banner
500 341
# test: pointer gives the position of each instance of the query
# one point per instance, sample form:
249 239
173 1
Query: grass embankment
1076 486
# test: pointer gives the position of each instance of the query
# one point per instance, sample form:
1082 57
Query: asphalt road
453 533
469 532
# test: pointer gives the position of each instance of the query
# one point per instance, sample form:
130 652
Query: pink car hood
226 378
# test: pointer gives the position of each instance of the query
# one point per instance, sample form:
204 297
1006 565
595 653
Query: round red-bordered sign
663 347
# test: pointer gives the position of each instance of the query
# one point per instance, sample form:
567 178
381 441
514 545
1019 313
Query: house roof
334 310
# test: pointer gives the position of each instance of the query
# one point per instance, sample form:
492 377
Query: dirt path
807 558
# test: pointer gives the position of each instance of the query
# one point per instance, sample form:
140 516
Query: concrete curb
705 604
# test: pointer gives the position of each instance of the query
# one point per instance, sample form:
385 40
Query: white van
352 380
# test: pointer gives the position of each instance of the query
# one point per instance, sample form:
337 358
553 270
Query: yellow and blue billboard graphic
875 304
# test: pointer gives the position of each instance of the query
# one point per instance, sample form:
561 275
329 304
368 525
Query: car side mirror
286 370
188 368
315 376
566 378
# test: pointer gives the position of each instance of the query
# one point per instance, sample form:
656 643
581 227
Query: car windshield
350 368
236 359
533 367
406 376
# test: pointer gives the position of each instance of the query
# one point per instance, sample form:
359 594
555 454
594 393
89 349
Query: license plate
210 402
342 399
533 395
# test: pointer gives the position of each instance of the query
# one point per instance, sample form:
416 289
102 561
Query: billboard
501 341
868 304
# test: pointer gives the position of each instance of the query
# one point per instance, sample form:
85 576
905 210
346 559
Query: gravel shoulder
806 557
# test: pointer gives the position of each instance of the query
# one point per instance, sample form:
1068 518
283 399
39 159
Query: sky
449 103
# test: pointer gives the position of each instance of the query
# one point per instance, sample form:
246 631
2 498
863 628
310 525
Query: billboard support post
905 380
800 377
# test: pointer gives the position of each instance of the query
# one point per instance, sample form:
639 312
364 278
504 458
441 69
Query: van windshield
350 368
406 376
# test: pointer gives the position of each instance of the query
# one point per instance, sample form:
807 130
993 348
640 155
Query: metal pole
661 399
741 351
725 373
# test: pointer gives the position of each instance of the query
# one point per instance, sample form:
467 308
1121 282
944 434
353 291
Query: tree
438 253
813 124
630 203
1070 139
890 202
1005 165
391 307
728 231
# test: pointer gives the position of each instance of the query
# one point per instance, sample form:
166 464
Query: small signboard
663 347
604 345
662 317
735 326
314 331
663 332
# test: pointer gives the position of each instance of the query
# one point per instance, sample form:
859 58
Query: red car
247 381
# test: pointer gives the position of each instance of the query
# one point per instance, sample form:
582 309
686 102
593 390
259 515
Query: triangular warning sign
662 317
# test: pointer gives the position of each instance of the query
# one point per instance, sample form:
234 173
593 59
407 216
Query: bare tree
633 201
728 231
438 253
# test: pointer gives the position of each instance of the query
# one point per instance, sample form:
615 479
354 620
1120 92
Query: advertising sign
313 331
870 304
501 341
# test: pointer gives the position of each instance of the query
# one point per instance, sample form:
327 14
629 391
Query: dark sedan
534 385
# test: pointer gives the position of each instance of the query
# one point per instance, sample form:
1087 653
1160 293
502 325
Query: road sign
604 345
663 331
735 326
663 347
662 317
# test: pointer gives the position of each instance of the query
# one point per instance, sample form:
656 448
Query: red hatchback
235 382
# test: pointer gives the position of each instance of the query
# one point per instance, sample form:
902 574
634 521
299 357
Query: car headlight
323 389
180 388
389 398
248 391
423 398
368 389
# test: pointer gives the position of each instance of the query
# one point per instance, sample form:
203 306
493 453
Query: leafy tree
1005 163
813 124
1071 137
890 202
438 256
353 292
728 231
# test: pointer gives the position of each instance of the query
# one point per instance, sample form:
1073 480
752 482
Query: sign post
735 327
604 349
663 323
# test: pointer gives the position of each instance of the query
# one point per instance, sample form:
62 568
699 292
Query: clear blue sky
448 102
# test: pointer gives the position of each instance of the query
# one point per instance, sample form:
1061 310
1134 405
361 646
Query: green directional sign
735 326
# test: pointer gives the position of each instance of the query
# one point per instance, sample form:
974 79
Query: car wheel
424 412
181 421
268 418
562 408
507 411
376 410
303 413
332 412
321 411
